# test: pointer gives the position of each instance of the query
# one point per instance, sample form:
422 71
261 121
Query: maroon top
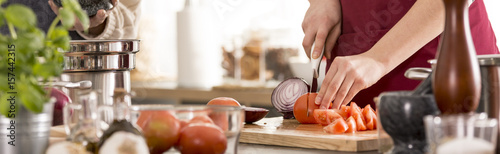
364 22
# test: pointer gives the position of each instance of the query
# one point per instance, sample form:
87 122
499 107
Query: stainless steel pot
106 63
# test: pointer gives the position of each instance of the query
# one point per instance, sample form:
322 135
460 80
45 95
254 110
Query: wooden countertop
249 96
289 132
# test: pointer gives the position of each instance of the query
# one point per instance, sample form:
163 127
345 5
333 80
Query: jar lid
100 55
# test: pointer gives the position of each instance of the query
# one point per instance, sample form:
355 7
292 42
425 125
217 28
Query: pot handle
85 84
418 73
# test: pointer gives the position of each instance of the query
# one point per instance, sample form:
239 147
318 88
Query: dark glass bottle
121 117
457 80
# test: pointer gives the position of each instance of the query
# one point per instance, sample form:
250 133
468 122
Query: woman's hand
321 25
346 77
97 22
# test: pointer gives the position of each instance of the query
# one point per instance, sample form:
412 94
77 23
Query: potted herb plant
27 56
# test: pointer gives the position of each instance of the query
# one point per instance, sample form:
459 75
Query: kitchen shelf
249 96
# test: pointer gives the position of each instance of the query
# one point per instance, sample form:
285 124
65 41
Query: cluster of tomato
204 133
347 119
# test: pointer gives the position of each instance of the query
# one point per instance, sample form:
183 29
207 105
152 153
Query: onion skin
286 93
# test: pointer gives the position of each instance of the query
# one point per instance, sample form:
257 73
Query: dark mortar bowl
91 6
401 116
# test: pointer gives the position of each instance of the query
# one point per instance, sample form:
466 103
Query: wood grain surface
289 132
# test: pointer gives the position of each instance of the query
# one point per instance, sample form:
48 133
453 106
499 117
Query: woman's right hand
321 25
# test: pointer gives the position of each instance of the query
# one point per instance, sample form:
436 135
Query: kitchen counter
57 135
244 148
169 91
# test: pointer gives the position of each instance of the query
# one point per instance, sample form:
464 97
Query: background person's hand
321 25
346 77
97 22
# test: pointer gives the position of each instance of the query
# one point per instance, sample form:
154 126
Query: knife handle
316 62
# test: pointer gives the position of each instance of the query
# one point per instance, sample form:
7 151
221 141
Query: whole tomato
224 101
300 108
202 138
220 119
161 130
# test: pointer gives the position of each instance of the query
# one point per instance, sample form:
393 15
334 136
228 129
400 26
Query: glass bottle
457 80
121 117
85 131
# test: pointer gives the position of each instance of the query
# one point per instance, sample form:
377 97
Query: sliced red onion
286 93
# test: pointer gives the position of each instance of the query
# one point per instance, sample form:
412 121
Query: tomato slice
360 121
320 115
300 108
333 115
345 111
354 108
367 109
339 126
370 117
326 116
352 125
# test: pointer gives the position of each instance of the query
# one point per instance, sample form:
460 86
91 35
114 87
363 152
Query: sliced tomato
339 126
345 111
300 108
360 121
320 115
355 109
370 117
326 116
352 125
366 109
371 120
333 115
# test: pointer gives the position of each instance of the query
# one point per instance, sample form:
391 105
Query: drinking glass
461 133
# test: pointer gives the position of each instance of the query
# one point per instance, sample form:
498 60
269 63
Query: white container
199 51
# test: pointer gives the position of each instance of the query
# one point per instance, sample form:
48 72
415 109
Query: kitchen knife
315 67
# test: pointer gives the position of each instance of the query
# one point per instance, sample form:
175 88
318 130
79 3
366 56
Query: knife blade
315 62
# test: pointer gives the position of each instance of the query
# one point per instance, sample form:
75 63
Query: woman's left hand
346 77
97 22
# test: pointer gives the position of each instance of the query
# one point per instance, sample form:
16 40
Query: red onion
286 93
61 100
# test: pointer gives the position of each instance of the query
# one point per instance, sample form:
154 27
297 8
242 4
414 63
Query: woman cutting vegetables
369 44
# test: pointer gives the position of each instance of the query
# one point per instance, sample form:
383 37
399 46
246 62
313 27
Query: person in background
369 44
120 22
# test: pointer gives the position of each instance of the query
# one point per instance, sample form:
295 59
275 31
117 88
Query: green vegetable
37 55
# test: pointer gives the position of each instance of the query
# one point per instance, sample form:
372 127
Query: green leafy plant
29 55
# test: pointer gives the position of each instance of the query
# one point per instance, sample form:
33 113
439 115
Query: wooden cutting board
289 132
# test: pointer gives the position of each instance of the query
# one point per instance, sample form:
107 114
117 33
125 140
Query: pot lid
100 55
100 47
484 60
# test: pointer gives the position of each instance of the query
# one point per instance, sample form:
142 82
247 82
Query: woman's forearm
422 23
